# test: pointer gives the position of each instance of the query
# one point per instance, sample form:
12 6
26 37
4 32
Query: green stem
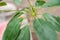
7 10
29 3
24 9
33 10
35 0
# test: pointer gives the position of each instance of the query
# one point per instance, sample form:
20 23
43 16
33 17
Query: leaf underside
53 20
13 27
44 31
51 3
24 34
48 3
13 31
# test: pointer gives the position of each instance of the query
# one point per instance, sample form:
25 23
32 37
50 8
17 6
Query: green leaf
51 3
24 34
13 27
39 3
17 2
3 3
43 30
54 20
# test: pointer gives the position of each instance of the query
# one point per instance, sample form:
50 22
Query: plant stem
29 3
33 9
7 10
35 0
